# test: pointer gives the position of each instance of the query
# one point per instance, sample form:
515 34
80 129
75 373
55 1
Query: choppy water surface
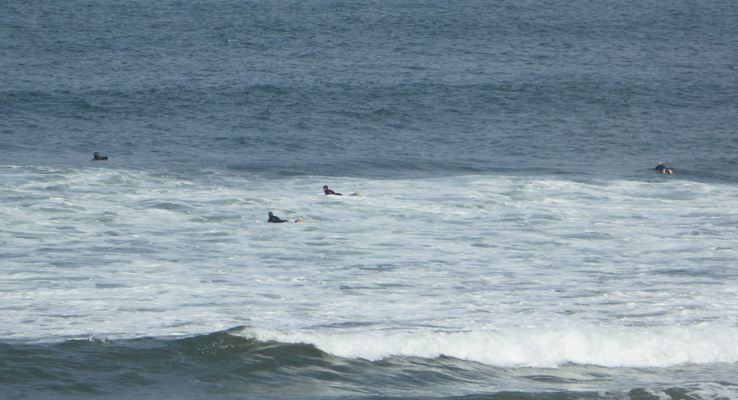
511 240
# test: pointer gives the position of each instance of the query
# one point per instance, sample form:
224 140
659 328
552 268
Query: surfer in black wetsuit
275 219
330 192
97 157
661 168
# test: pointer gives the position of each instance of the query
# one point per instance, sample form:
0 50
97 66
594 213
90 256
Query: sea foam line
530 347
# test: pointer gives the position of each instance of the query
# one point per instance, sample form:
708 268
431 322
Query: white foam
127 254
531 347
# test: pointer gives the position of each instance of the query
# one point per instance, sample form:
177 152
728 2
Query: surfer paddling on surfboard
275 219
330 192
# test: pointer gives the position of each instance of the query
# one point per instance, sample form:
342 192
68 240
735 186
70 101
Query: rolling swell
213 364
222 365
217 364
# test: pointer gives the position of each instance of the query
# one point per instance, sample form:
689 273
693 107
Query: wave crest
530 347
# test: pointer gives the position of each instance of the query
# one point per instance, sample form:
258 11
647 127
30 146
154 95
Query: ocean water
511 239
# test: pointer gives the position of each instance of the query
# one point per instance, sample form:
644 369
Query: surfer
97 157
661 168
275 219
330 192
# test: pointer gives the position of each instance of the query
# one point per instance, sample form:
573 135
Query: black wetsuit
328 191
276 219
661 168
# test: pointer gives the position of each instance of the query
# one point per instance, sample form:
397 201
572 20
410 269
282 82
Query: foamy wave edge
529 347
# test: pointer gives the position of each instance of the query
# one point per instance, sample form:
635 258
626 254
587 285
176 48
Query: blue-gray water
512 240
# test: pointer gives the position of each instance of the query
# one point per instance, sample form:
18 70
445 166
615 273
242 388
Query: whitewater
508 271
